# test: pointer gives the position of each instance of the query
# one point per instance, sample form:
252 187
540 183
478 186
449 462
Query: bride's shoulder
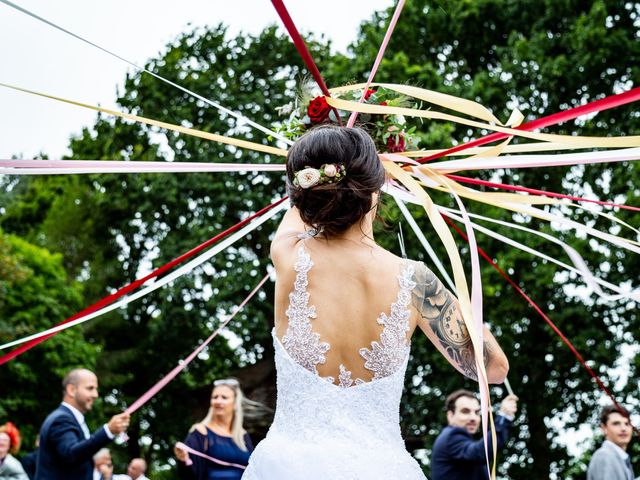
285 247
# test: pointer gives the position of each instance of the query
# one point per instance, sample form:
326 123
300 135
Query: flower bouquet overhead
389 132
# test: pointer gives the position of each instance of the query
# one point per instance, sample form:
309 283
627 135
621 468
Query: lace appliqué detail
344 379
386 356
302 344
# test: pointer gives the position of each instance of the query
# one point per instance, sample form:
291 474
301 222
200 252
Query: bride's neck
360 232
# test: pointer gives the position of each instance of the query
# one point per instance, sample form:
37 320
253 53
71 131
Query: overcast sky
36 56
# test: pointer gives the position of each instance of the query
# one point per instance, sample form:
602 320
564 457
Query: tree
35 293
111 228
540 58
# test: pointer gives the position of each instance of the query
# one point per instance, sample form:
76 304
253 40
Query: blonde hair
237 429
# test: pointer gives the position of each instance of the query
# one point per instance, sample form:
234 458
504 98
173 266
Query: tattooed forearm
441 311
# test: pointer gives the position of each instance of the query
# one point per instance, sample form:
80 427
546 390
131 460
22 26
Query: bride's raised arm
441 320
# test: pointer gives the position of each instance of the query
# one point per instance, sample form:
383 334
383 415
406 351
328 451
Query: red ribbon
566 341
301 46
132 286
504 186
606 103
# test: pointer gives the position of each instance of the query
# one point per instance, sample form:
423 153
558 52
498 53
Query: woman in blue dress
220 436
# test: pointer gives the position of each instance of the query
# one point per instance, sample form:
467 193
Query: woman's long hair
241 403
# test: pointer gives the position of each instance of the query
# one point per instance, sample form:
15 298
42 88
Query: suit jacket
607 464
64 452
29 463
456 456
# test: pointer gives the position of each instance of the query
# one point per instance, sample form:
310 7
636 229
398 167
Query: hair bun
333 208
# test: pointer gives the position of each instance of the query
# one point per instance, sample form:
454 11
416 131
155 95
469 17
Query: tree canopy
108 229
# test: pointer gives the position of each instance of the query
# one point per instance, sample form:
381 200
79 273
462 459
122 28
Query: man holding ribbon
456 455
66 444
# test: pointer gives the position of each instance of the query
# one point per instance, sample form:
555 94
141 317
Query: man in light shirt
102 465
66 444
611 461
135 471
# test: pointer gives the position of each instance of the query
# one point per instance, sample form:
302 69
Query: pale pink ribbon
52 167
190 450
172 374
376 64
476 300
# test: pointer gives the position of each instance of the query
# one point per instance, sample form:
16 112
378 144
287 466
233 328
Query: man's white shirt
80 419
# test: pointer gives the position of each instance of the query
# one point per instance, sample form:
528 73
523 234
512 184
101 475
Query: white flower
308 177
330 170
285 109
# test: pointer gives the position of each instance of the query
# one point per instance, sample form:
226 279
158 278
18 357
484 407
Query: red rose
318 110
369 93
395 143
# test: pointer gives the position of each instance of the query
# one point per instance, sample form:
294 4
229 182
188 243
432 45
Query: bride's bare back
352 286
351 283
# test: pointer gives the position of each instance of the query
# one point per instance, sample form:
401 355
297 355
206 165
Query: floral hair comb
327 173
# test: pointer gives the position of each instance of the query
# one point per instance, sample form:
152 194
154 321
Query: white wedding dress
350 430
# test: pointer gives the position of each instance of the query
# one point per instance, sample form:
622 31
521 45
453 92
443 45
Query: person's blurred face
136 468
83 394
5 444
466 414
223 400
103 460
617 430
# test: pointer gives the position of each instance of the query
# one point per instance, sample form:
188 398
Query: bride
344 315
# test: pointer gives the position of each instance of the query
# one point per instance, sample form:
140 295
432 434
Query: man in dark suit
611 461
66 444
456 455
30 459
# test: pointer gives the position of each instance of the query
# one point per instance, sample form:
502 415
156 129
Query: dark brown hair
609 409
450 402
331 208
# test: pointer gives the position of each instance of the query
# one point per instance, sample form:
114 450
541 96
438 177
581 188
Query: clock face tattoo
439 308
453 328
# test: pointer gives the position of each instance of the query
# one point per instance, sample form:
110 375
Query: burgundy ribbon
606 103
132 286
504 186
553 326
301 46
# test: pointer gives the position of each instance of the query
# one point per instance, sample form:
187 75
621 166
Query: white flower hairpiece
310 177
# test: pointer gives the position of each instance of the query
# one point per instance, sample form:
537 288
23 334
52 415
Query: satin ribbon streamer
546 318
214 104
169 126
376 63
182 365
190 450
606 103
132 286
160 283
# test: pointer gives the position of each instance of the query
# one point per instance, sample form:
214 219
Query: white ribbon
159 283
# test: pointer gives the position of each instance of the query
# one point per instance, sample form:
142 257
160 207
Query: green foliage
35 294
540 57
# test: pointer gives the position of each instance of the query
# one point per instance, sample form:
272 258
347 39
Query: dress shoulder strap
302 344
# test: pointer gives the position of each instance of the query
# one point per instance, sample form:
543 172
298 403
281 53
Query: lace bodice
322 430
304 345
